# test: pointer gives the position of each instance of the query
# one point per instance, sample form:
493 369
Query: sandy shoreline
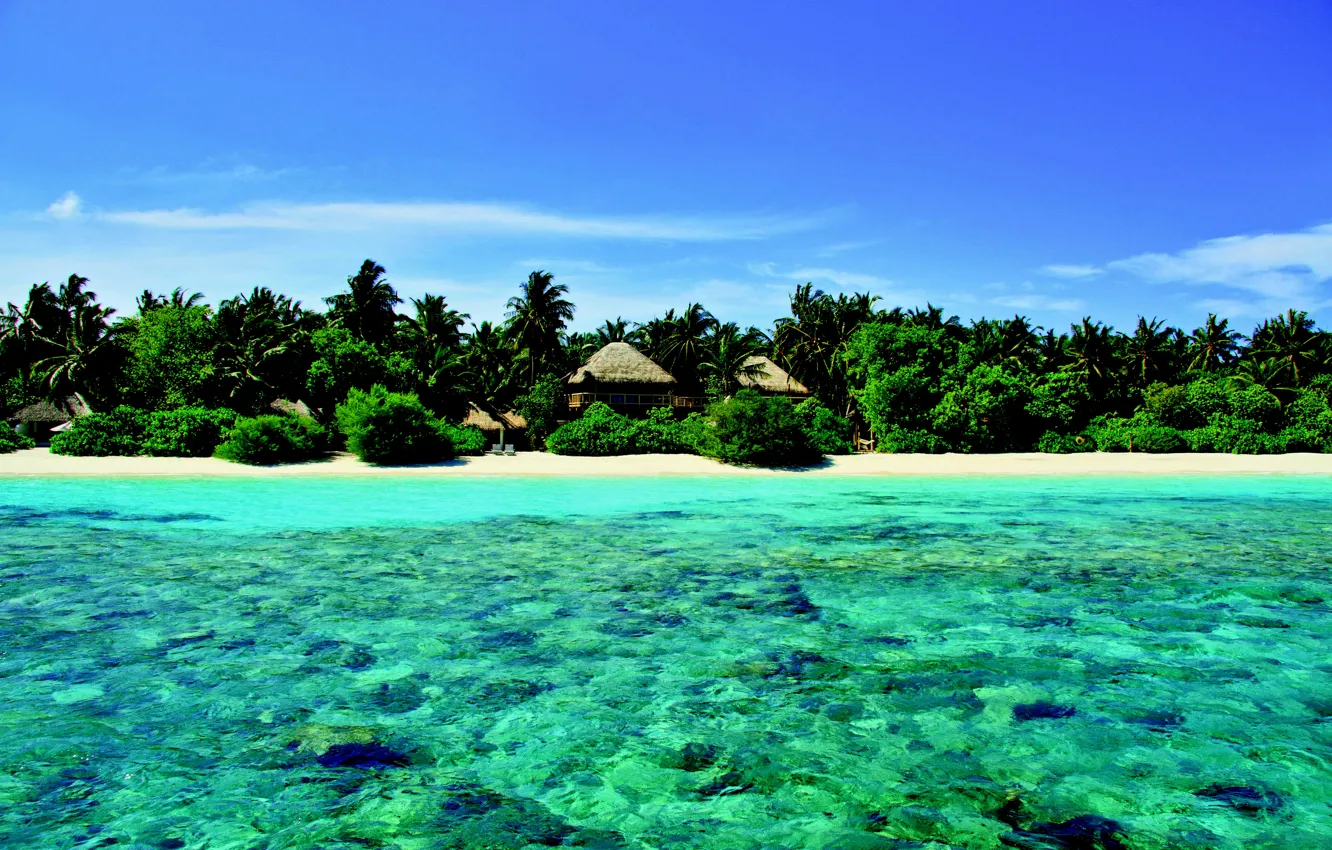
40 462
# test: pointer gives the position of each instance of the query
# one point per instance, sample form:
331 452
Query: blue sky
1051 159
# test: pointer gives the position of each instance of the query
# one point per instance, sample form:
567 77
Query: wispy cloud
1266 272
65 207
1072 272
1028 296
1036 301
210 171
838 277
843 247
454 217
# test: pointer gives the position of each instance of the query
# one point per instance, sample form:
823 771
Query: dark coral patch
508 640
1042 711
369 756
1243 798
1084 832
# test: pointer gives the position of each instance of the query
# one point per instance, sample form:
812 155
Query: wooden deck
579 402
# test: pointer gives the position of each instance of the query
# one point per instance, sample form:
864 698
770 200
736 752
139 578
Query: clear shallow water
719 663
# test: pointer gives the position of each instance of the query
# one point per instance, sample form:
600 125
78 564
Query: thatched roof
776 379
478 418
619 363
45 411
290 408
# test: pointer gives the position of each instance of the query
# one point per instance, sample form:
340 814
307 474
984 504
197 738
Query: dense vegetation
173 377
12 442
268 439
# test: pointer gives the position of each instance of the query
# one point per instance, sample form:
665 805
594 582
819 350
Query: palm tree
1272 374
83 356
1150 350
726 355
178 299
684 346
24 331
1292 339
812 342
258 336
367 308
433 339
488 370
1213 346
1091 351
536 317
612 331
932 317
1052 350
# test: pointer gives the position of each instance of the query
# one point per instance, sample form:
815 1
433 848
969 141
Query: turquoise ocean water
698 663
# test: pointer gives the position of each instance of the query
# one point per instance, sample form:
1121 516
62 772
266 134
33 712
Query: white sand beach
40 462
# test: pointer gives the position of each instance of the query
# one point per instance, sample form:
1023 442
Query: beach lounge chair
508 450
497 449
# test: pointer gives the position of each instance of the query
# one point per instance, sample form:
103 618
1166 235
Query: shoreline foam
40 463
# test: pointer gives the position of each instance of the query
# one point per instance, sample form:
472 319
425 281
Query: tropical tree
1052 351
1213 346
536 317
178 298
612 331
684 345
84 354
1292 339
367 307
25 331
1091 351
812 343
1150 351
260 355
727 355
432 340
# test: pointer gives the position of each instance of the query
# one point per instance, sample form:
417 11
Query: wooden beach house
507 428
44 418
626 379
774 381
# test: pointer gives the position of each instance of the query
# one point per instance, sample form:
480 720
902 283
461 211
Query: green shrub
270 439
910 441
118 432
186 432
1233 436
1137 435
1065 444
598 432
12 442
749 428
539 407
466 440
661 433
1256 405
388 428
827 432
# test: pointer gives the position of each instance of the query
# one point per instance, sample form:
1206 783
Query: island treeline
391 379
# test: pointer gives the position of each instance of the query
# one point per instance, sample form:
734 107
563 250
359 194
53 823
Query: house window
617 399
631 399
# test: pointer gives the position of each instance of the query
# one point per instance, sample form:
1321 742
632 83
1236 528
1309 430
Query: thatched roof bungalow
510 423
774 381
41 419
621 376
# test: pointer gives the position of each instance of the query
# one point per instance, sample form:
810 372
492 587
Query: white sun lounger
508 450
497 449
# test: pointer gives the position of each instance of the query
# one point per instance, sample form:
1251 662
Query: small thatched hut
40 420
509 429
621 376
774 380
